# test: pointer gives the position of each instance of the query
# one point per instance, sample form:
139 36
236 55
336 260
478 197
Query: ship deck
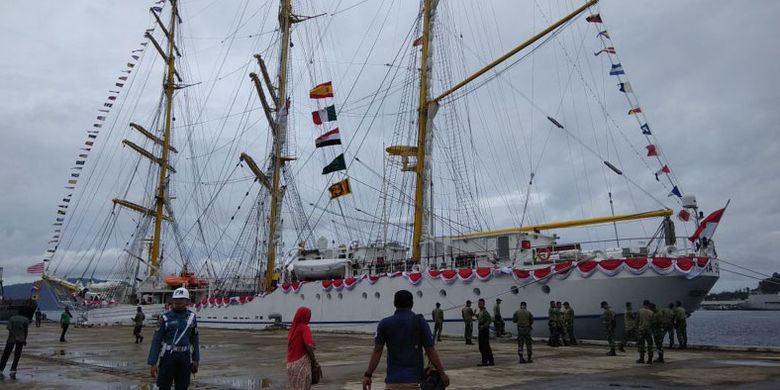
100 358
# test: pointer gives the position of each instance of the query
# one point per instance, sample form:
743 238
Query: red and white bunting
414 278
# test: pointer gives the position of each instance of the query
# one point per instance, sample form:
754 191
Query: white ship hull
360 307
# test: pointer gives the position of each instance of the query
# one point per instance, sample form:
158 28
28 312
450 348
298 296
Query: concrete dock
107 358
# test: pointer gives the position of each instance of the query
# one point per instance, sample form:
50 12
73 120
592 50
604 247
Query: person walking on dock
484 334
658 332
645 341
608 324
438 321
65 323
406 334
175 350
525 321
38 317
17 338
138 324
302 365
668 313
568 324
498 319
468 321
629 325
680 324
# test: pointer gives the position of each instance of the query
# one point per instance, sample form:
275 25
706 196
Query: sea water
734 327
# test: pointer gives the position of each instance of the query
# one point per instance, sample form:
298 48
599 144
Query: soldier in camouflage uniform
568 323
483 334
552 326
608 324
645 342
562 337
658 332
498 319
525 321
468 320
668 313
680 323
629 322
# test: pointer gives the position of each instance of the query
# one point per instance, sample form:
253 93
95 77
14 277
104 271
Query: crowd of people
175 352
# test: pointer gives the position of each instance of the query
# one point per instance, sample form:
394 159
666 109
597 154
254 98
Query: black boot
529 358
660 359
649 359
621 348
521 361
641 359
611 352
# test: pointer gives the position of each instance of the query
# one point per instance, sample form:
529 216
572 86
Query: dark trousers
64 329
468 331
484 346
137 333
498 323
9 346
175 367
37 322
437 327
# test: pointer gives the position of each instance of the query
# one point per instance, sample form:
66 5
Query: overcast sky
705 71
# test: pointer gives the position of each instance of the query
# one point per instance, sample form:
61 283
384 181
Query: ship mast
279 138
162 189
427 110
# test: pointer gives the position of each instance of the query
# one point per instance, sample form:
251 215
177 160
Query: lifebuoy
543 254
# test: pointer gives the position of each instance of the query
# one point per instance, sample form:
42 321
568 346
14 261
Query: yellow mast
280 133
425 105
422 130
162 186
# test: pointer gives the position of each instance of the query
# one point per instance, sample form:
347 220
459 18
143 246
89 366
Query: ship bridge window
342 256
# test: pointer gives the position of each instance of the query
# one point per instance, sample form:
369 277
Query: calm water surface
734 327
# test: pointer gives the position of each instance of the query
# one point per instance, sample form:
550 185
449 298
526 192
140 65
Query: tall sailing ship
416 217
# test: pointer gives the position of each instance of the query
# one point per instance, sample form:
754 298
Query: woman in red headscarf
300 352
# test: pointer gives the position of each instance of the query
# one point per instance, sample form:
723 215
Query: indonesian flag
327 114
707 226
324 90
330 138
610 50
635 110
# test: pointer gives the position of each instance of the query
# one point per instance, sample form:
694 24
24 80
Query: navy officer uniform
176 345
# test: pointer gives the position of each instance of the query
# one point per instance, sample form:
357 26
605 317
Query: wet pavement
107 358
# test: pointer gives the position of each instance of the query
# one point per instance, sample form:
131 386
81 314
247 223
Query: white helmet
181 293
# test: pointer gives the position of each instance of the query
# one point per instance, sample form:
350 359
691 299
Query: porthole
341 296
328 295
376 295
515 290
302 297
442 293
476 291
365 296
546 289
419 294
317 296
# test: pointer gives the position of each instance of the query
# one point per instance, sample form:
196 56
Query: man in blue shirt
177 339
406 334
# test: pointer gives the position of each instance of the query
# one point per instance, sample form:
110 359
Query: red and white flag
708 225
36 268
664 170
